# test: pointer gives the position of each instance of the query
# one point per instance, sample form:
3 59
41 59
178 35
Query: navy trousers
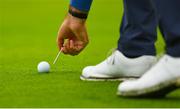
141 18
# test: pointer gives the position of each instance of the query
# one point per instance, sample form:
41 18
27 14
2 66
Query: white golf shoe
157 82
118 67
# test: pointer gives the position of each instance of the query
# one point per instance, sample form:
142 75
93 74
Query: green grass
28 30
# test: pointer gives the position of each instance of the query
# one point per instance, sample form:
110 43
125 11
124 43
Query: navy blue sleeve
83 5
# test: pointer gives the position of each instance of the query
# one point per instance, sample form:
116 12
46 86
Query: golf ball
43 67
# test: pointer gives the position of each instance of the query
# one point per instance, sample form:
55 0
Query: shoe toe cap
87 71
127 86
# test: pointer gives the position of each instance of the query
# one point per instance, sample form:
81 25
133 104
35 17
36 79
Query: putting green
28 30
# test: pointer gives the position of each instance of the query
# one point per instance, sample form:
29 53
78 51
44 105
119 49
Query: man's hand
72 36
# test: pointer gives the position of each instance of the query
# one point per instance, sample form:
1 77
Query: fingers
66 46
71 44
60 43
65 40
70 48
73 47
63 34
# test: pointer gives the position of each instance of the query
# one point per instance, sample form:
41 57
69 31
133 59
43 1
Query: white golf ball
43 67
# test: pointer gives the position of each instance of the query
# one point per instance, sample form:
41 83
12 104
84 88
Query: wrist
78 13
76 20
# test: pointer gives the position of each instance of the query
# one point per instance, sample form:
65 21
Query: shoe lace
111 56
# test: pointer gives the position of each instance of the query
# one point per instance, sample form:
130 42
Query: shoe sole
107 79
158 91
